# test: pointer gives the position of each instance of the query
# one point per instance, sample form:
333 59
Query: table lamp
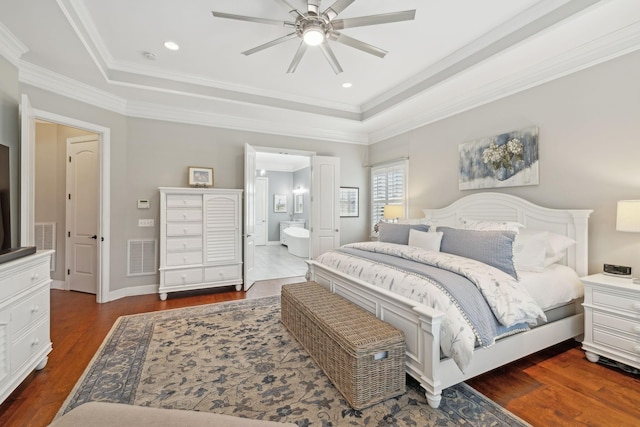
392 213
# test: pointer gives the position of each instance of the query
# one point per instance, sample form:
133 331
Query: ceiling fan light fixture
313 35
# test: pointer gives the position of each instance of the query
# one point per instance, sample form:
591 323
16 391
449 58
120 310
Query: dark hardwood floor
555 387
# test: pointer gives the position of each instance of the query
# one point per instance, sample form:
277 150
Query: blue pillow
490 247
397 233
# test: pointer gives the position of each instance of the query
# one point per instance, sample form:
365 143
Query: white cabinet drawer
184 230
28 345
616 301
222 273
183 277
184 200
186 215
184 244
617 342
624 325
30 310
184 258
23 280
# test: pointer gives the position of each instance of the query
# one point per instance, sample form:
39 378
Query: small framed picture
200 177
279 203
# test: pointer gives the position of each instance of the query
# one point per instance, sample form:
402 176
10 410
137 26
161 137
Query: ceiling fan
316 28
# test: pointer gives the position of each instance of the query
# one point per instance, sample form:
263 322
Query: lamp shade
628 216
393 211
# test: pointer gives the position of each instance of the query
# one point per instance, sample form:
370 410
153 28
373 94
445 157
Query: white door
27 169
249 255
82 214
262 204
325 204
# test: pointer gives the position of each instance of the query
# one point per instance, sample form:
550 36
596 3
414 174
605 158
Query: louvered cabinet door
222 234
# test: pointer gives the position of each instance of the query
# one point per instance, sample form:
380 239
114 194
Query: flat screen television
5 199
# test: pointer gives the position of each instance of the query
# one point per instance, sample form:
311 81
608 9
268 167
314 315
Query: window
388 186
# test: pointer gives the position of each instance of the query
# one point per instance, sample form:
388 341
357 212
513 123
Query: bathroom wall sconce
299 190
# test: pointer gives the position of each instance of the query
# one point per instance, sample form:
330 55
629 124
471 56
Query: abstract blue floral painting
506 160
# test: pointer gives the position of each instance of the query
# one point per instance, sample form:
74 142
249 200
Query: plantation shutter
388 187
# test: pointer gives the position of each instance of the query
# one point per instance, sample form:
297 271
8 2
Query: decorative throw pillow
557 246
494 248
425 240
397 233
472 224
529 250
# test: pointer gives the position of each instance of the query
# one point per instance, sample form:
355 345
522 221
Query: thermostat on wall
143 204
617 270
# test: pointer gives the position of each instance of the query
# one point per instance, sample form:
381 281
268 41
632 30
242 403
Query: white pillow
472 224
529 250
425 240
557 244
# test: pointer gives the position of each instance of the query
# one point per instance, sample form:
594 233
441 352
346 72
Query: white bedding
554 286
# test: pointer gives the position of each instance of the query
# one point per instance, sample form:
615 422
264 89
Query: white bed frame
421 324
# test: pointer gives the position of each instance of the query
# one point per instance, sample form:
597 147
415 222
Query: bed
421 323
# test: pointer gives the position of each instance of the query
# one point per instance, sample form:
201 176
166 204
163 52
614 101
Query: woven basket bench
363 356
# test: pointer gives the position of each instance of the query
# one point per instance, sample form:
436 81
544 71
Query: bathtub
298 241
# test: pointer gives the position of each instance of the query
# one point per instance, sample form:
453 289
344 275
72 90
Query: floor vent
45 238
141 257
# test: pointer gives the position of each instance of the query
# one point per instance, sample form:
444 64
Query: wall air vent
142 257
45 238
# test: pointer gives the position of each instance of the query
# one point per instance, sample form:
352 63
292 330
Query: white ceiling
455 55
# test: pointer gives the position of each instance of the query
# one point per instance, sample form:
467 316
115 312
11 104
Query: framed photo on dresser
200 177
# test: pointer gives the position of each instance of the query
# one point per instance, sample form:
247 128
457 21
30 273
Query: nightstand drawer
183 277
30 344
617 342
628 326
619 301
184 244
184 229
184 200
222 273
184 258
176 215
30 310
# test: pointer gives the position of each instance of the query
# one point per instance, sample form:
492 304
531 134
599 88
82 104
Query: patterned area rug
238 359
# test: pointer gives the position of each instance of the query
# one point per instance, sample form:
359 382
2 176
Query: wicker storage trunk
363 356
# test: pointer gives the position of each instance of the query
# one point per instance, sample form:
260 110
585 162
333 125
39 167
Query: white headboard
503 207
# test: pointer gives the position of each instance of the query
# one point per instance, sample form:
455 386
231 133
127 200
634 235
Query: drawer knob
184 278
184 231
184 259
35 309
35 342
184 244
35 276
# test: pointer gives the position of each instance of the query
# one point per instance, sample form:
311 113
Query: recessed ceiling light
171 45
346 85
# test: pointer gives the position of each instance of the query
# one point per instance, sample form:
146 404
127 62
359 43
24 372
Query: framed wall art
349 201
505 160
200 177
279 203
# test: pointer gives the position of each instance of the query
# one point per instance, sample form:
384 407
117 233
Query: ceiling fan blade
253 19
269 44
332 11
298 56
357 44
313 7
333 61
292 10
383 18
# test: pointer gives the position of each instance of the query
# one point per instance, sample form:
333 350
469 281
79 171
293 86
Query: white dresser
612 319
287 224
200 239
24 319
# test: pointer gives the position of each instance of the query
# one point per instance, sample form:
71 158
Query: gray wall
302 179
9 136
279 183
589 146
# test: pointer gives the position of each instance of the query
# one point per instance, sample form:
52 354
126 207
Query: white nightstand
612 319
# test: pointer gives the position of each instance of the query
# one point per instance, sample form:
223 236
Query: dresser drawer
184 258
23 280
29 345
620 301
186 215
222 273
631 346
30 310
183 277
184 244
628 326
184 230
184 200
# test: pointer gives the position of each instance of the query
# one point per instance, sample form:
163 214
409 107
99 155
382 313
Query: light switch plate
145 223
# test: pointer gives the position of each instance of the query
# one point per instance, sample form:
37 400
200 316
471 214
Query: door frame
104 199
266 209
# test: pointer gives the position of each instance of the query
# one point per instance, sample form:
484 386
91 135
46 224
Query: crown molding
603 49
10 47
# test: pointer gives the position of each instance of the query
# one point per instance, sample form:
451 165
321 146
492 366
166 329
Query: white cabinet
24 319
200 239
612 319
287 224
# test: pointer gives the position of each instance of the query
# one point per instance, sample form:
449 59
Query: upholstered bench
363 356
101 414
